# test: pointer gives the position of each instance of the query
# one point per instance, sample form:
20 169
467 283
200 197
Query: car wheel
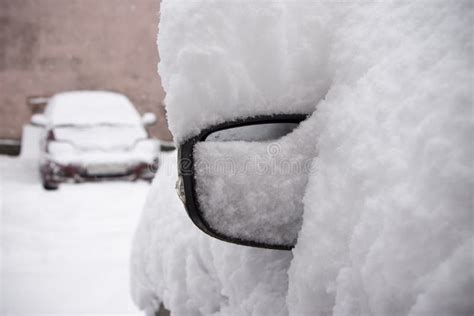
48 185
47 178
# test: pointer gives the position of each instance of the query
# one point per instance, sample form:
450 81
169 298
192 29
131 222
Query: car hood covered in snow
91 107
101 137
387 224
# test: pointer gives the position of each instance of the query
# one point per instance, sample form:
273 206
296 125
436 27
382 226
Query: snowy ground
65 252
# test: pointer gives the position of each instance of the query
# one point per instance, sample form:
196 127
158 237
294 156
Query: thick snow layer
227 59
388 223
254 190
142 151
101 136
390 211
91 107
100 144
193 274
97 127
65 252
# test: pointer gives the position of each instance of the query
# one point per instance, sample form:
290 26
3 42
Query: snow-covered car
95 135
369 194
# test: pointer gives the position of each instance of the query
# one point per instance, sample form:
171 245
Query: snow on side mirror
39 120
244 181
148 119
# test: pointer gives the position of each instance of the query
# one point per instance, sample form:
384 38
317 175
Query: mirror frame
188 182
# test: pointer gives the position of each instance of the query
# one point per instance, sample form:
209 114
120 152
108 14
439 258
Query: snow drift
387 226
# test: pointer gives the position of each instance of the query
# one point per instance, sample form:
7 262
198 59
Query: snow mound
389 212
193 274
229 59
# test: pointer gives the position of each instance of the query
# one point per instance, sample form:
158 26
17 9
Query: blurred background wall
48 46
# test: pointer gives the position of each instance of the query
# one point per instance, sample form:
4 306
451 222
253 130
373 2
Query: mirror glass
250 182
262 132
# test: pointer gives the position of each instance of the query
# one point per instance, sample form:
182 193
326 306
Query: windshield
103 136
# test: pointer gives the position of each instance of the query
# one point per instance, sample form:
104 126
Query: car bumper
59 173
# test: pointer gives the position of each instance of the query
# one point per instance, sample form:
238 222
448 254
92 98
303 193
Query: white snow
91 107
101 136
65 252
175 263
392 200
31 142
254 190
103 144
229 59
388 212
97 127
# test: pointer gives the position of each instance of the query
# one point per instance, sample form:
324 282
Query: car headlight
148 146
60 148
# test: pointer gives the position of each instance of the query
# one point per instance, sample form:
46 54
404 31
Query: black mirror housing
186 185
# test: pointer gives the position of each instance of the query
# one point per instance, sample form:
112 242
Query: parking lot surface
65 252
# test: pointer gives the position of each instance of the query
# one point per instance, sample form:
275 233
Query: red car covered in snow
94 135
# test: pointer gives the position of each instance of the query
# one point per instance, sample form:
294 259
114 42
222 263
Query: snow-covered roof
91 107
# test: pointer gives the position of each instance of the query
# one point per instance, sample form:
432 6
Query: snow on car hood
102 144
387 224
91 107
100 137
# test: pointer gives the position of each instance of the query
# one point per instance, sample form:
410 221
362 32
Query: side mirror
244 181
39 120
148 119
